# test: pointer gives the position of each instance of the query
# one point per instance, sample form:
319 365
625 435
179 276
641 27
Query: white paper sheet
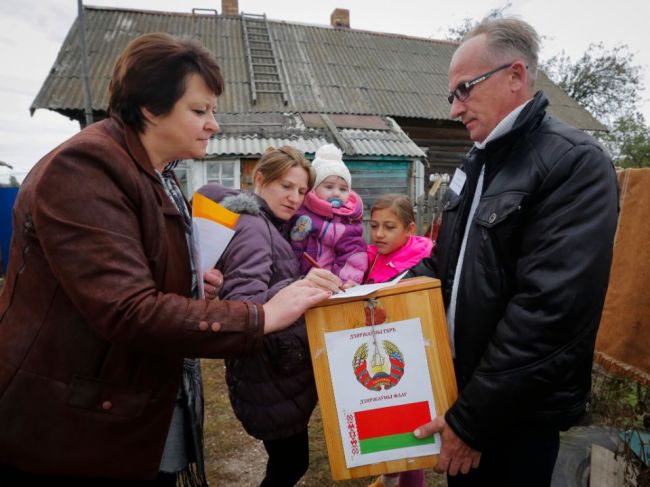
366 289
212 239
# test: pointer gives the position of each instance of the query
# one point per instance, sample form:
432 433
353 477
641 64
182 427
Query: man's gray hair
509 38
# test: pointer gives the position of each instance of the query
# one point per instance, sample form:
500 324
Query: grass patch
623 405
618 402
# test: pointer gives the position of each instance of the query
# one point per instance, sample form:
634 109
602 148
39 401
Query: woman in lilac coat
272 392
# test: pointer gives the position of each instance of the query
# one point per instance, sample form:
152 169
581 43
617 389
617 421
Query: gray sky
32 31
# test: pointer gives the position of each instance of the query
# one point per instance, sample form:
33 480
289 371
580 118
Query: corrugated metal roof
326 70
250 134
254 146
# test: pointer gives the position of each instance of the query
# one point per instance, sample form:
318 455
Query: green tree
10 182
606 82
629 141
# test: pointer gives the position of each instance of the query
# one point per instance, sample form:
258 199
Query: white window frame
186 165
236 170
197 173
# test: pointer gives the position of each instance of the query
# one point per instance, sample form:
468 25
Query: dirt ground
235 459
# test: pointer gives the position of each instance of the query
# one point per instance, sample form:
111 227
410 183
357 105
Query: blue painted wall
7 198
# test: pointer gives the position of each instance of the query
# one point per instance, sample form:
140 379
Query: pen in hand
314 264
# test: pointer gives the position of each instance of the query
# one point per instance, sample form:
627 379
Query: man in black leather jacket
523 254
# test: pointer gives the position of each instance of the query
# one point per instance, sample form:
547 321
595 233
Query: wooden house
380 97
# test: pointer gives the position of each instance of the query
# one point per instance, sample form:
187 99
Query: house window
182 171
193 174
225 172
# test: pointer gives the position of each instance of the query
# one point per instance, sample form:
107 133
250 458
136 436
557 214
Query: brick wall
229 7
340 18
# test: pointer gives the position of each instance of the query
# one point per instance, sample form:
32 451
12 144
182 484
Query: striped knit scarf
183 452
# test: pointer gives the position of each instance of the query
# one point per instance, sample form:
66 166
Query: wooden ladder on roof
263 66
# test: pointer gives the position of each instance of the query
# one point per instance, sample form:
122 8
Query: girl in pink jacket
394 249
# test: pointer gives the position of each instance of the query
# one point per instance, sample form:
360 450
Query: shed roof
325 69
249 134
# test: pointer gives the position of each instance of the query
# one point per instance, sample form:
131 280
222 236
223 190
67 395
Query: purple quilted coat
272 393
333 237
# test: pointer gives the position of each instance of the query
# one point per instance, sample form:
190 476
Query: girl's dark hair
399 204
152 73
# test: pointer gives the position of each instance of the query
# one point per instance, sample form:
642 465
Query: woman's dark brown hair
152 72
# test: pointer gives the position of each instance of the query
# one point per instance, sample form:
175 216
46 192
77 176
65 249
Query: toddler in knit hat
329 224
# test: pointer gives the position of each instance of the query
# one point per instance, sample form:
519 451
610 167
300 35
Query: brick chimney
340 18
229 7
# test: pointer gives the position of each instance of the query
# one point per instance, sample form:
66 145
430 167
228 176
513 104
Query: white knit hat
329 162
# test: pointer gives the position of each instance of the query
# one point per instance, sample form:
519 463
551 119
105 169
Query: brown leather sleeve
116 247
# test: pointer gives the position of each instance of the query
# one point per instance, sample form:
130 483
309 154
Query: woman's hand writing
323 279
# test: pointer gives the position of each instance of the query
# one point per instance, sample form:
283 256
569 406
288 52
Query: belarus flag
392 427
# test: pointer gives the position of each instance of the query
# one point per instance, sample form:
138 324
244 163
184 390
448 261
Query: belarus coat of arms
386 366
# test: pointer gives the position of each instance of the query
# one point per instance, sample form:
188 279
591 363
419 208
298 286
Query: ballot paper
213 226
366 289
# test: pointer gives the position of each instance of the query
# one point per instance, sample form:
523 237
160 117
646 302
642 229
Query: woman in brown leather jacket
98 312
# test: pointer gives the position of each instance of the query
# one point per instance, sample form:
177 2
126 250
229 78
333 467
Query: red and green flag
392 427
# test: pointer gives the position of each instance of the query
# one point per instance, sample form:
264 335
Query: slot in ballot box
383 366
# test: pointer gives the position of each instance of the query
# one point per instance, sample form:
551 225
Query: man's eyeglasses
463 89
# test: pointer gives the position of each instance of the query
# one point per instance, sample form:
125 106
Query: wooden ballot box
347 377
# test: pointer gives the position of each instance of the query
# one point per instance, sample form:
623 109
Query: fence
428 206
